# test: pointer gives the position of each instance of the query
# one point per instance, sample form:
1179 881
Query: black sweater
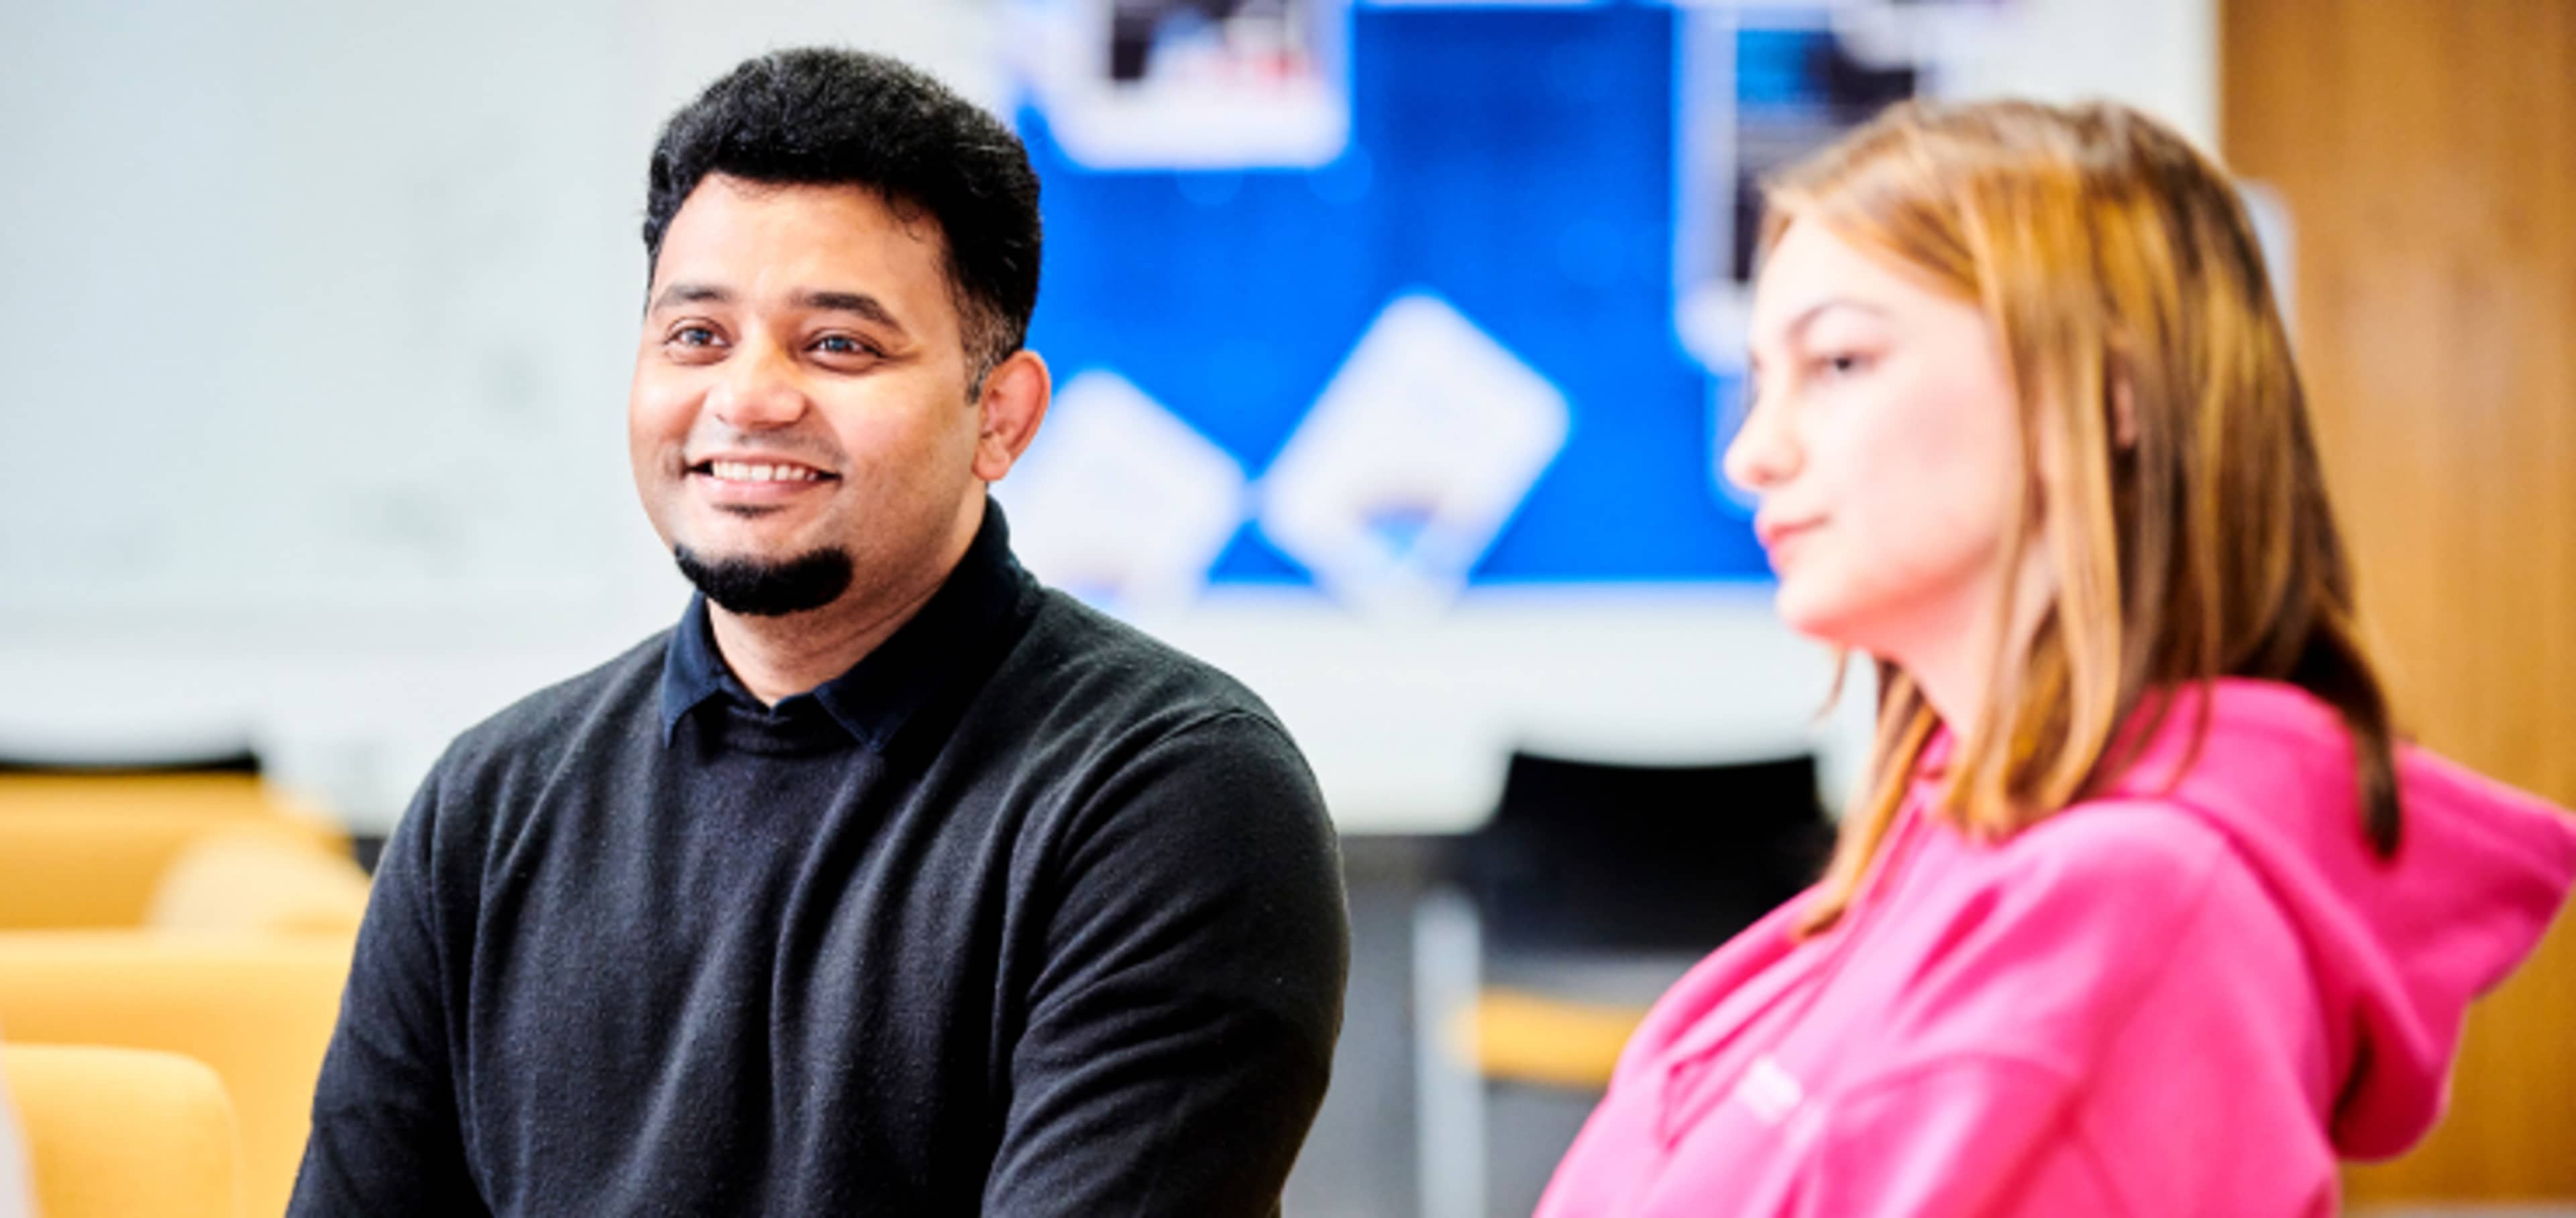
1025 914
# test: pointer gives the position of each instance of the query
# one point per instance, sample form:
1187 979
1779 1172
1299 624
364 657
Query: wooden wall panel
2427 152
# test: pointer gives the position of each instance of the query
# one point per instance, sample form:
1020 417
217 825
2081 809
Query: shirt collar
873 699
692 672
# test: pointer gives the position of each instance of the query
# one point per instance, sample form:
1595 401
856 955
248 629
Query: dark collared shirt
1025 913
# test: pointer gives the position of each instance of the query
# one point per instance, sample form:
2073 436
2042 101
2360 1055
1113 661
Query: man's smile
746 480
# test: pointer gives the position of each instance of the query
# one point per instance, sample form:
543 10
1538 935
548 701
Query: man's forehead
832 246
867 207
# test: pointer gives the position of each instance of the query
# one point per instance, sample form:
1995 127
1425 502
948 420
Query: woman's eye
1840 365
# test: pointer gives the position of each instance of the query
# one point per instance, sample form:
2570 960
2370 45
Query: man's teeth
744 471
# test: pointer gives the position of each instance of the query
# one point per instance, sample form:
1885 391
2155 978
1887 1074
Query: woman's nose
1763 453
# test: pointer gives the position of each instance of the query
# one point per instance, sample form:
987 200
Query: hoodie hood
2398 946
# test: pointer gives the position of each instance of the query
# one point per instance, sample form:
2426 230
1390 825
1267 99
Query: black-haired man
887 881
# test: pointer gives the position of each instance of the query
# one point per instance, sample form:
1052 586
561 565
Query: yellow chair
257 1008
122 1133
1539 1039
63 870
227 793
256 881
91 851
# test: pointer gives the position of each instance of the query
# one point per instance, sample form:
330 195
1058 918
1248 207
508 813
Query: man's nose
760 391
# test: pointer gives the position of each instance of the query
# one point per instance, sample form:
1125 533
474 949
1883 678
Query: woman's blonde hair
2163 423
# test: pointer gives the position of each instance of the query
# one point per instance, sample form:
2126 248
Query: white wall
311 432
2158 55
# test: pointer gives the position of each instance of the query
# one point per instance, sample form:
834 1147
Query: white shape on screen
1418 452
1119 501
1215 96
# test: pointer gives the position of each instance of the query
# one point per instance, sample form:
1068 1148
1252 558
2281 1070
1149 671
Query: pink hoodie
2153 1003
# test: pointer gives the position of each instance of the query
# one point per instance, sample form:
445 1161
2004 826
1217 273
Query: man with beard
887 881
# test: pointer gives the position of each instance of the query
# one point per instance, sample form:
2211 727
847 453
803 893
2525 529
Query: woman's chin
1810 611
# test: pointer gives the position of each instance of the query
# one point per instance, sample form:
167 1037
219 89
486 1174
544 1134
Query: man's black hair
820 116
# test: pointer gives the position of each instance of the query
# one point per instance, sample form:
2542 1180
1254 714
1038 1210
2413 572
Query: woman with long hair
2145 907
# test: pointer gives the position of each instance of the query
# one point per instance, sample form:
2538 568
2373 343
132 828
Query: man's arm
386 1139
1180 1033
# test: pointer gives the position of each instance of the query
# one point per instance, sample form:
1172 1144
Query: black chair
1593 888
1593 857
213 761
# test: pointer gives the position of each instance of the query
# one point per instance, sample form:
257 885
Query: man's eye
842 344
693 336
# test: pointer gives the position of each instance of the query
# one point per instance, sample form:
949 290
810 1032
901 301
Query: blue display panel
1516 164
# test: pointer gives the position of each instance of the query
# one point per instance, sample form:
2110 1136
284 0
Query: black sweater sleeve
386 1138
1180 1034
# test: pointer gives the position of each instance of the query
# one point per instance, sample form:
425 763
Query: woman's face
1883 444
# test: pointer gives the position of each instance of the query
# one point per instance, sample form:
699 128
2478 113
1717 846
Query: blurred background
1395 344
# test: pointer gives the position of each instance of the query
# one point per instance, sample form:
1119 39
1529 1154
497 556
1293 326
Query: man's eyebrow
866 306
691 293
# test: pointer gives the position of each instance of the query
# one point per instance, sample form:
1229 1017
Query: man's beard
762 588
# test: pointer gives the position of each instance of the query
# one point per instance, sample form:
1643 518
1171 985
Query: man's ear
1012 404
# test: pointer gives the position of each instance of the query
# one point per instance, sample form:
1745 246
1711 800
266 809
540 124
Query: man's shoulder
1132 749
1120 678
613 696
1083 694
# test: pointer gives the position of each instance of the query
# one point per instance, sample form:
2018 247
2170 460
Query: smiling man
887 881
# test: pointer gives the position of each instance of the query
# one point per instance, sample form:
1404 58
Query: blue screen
1517 163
